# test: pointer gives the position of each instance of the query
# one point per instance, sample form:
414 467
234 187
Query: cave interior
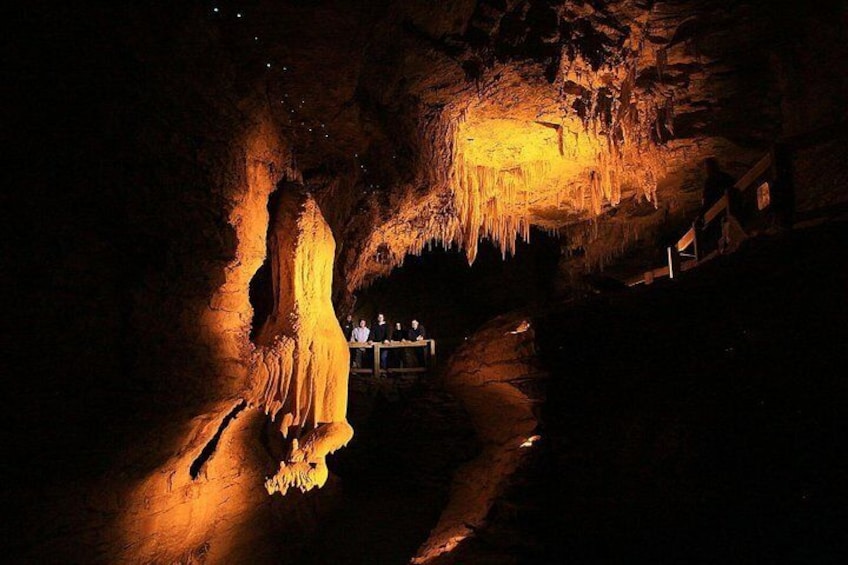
199 193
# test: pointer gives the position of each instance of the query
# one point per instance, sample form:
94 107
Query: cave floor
697 420
694 421
395 473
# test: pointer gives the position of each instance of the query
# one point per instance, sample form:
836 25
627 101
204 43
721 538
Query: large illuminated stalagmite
299 371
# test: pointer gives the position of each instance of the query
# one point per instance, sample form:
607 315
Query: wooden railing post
432 360
673 262
695 229
427 347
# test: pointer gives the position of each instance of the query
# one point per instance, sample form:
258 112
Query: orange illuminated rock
299 372
530 152
524 156
205 497
482 375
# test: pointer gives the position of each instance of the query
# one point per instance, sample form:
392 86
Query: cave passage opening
410 440
452 299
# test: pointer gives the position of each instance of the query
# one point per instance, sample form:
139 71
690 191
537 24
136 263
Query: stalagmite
299 372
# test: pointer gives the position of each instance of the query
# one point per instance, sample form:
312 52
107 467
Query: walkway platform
376 348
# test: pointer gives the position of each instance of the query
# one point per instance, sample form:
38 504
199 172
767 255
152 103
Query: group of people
381 332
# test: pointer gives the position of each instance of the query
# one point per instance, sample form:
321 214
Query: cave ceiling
457 120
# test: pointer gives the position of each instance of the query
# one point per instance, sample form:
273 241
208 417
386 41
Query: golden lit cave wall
179 509
516 154
205 500
226 323
298 371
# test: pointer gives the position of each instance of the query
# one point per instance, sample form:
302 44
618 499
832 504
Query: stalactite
531 153
494 201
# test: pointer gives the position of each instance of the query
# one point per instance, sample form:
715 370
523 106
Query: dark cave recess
452 299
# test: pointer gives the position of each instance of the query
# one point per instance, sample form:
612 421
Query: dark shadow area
698 421
209 449
396 474
452 299
261 295
261 289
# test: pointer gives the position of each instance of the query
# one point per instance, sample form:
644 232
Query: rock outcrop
489 375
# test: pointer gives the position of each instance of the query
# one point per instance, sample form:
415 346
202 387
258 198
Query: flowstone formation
299 372
203 500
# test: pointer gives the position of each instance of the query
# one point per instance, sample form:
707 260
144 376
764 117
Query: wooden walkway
771 203
689 252
376 348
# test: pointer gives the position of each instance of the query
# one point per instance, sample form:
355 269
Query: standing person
380 334
347 327
716 184
417 333
398 334
359 334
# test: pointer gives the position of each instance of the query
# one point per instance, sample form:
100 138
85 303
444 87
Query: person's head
380 318
362 323
398 326
349 318
414 324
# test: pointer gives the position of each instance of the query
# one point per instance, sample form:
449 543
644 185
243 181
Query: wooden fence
376 348
687 253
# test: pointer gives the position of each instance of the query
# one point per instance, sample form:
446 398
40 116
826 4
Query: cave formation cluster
329 142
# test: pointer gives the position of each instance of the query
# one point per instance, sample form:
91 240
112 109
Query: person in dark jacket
347 327
417 333
398 333
380 334
396 356
717 184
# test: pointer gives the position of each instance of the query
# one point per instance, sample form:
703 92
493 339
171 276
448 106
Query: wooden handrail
753 173
377 346
715 210
391 344
687 239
